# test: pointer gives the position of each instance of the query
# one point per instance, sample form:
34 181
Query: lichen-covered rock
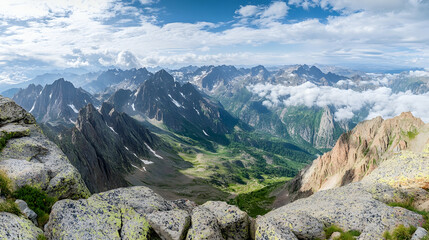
265 230
13 227
134 225
419 234
116 214
204 226
29 158
22 173
233 222
406 170
351 207
11 112
142 199
170 225
301 224
30 214
84 219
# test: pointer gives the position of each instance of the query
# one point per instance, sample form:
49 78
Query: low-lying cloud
380 102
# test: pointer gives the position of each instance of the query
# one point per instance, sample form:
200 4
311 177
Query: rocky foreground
28 158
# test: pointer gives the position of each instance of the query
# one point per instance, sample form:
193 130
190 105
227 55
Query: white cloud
380 102
248 10
276 10
419 73
127 60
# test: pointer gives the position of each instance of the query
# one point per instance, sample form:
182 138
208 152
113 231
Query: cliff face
356 154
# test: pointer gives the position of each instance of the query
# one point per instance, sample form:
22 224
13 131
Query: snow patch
182 95
74 122
197 111
113 130
32 108
175 102
153 151
50 96
143 160
141 169
134 109
205 133
73 108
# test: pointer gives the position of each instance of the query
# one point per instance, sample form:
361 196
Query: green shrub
400 233
41 237
331 229
345 236
5 184
38 201
425 237
10 206
409 205
4 137
355 233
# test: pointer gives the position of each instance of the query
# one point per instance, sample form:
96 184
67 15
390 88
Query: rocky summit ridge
402 173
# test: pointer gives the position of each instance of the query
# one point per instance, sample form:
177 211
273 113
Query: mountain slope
107 145
180 107
356 154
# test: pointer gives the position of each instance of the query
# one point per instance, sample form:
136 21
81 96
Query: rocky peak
356 154
163 77
57 102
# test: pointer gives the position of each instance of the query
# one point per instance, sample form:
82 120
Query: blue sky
88 35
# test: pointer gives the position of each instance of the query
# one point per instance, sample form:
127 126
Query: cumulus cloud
248 10
263 15
380 102
127 60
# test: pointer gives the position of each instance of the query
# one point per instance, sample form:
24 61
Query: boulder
204 226
22 173
301 224
335 235
29 158
116 214
13 227
419 234
170 225
351 207
265 229
233 222
10 112
30 214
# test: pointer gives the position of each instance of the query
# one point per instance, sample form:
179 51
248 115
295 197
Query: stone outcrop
355 155
29 158
351 207
139 213
13 227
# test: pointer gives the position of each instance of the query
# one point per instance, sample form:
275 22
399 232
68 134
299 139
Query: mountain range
201 124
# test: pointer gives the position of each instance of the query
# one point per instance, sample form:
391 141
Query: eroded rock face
13 227
355 155
29 158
